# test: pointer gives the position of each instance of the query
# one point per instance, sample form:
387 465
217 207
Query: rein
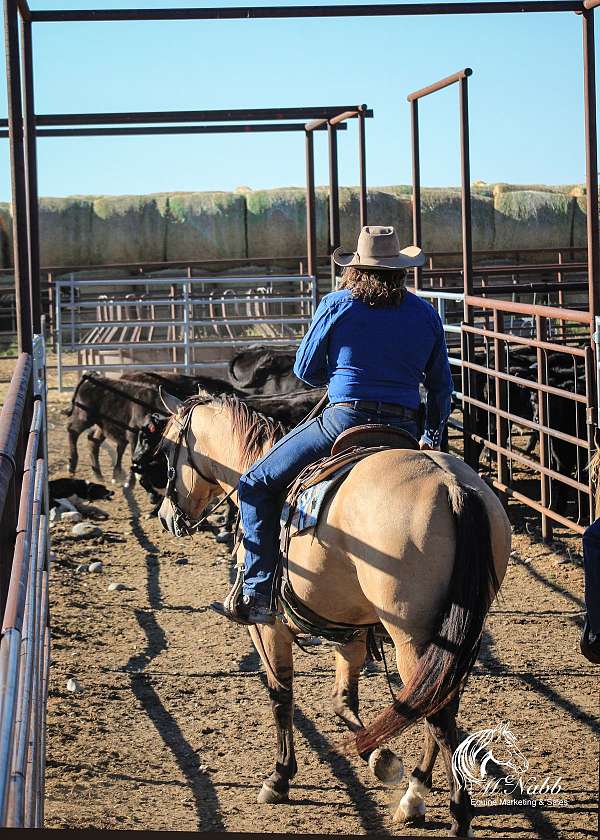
184 526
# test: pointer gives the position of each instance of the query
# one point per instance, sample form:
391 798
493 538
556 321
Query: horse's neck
214 439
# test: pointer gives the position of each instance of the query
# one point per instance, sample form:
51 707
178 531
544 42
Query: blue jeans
262 489
591 572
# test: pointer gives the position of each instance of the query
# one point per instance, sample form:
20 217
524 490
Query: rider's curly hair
383 287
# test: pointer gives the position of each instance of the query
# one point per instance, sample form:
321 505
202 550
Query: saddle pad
304 512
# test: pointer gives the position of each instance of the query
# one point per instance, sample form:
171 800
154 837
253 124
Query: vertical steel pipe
465 172
334 197
18 179
591 162
541 332
362 164
501 398
311 220
467 244
416 178
33 242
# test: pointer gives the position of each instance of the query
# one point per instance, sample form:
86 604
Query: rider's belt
382 408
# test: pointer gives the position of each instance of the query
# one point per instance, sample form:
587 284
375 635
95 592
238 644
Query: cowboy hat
378 247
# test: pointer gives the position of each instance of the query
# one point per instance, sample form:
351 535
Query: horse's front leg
274 646
349 659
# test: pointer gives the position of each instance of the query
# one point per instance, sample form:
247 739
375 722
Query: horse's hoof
270 796
455 832
409 819
386 766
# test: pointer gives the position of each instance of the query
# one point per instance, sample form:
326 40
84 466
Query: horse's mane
252 431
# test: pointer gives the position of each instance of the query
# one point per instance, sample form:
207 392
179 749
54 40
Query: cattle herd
128 411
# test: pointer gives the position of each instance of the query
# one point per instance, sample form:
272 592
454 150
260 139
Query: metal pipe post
31 173
18 181
334 197
465 167
416 174
311 221
591 162
467 243
362 164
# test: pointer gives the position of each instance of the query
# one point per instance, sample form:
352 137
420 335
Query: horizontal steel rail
24 647
525 342
443 83
515 455
529 309
528 424
344 10
539 508
173 301
525 383
226 115
229 319
172 281
130 131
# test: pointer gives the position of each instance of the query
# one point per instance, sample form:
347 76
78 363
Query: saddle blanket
303 514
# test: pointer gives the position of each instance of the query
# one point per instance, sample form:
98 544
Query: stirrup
234 596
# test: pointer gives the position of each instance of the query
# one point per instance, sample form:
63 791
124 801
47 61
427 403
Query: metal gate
175 323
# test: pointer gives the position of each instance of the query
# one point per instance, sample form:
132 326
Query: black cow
264 370
115 409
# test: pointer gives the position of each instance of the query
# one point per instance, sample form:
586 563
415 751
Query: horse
413 539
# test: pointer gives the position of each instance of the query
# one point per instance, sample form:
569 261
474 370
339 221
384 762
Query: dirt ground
173 727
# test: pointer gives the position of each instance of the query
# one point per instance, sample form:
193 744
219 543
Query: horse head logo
472 756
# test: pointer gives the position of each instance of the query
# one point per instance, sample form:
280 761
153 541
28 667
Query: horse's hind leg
274 646
349 659
411 809
443 726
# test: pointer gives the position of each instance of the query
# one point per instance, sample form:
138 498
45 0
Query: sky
525 97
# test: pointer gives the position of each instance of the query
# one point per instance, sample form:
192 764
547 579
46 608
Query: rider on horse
372 343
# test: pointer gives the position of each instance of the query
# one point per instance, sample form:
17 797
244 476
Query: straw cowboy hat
378 247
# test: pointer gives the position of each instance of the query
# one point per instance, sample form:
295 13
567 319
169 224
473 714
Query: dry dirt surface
172 728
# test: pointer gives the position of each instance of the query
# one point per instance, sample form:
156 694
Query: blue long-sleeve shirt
379 353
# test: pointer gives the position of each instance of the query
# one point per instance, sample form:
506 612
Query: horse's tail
450 654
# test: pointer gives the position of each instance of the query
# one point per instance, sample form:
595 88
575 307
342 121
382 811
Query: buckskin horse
412 539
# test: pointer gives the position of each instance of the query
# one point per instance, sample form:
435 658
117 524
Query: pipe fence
24 561
541 386
178 323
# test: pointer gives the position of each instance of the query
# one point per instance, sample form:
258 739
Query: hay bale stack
276 222
205 226
533 219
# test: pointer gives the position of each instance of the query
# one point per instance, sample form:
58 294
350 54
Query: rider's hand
423 445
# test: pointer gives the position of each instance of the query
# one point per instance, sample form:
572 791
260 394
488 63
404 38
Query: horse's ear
171 403
204 395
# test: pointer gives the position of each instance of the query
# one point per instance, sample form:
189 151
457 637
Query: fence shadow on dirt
206 801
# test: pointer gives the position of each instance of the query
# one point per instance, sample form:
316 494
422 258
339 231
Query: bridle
183 525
